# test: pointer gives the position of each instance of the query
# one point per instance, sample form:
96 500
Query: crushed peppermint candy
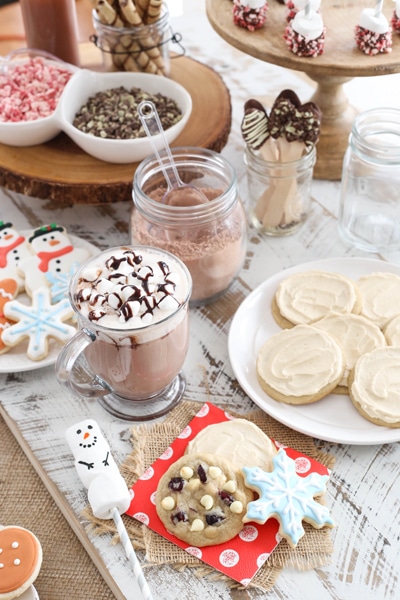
31 90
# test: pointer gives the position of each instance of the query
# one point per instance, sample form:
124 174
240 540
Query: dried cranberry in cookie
20 561
201 499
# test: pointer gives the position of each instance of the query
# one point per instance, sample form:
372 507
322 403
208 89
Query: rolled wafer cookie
153 11
107 13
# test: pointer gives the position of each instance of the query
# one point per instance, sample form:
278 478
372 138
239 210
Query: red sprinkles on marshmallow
250 14
31 90
373 34
305 35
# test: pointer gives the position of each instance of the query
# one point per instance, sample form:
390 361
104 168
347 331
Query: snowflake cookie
286 496
38 322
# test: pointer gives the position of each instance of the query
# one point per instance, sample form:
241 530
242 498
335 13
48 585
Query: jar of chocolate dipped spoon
133 35
280 155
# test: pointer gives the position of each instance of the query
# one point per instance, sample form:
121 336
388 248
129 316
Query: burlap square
149 442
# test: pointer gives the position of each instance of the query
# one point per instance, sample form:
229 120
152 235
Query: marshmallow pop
373 33
395 22
108 493
250 14
293 7
305 35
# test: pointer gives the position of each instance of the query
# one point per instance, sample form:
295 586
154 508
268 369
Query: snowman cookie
52 252
14 248
8 291
20 561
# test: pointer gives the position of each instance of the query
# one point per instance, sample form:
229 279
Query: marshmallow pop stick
108 493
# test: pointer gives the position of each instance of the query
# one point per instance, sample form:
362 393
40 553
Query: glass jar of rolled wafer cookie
279 191
133 35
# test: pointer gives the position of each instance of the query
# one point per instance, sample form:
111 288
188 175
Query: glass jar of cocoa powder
210 238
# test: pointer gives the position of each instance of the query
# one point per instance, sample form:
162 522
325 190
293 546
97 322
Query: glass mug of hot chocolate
132 309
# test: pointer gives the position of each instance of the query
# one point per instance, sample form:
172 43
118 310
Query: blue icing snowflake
284 495
59 283
38 322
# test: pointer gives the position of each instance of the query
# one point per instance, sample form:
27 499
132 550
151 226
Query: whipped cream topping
376 385
245 444
356 335
310 27
306 297
131 287
380 297
300 361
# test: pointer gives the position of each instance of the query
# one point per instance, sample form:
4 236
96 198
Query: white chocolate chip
168 503
236 507
230 486
197 525
207 501
193 485
214 472
186 472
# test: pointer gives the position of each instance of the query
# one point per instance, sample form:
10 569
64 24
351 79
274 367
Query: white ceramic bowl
39 131
87 83
81 86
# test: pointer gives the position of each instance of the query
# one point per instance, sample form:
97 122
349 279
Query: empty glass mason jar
279 192
369 214
142 48
210 238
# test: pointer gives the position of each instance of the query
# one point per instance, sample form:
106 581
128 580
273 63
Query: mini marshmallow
167 303
114 300
91 274
310 27
376 23
105 286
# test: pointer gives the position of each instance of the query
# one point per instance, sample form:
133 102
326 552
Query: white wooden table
364 491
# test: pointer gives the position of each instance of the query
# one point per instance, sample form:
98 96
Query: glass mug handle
76 378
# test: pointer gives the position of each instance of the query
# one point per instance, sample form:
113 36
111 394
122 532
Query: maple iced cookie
201 499
20 561
38 322
357 336
303 298
374 386
392 331
287 497
239 440
300 365
380 294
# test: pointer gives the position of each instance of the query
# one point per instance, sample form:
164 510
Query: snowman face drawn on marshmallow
88 437
83 435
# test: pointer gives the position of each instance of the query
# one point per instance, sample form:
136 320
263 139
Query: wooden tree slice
60 172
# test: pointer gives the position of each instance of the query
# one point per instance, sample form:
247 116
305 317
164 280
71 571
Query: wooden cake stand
60 172
340 62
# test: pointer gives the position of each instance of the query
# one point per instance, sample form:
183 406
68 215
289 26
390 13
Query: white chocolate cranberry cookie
238 440
374 386
357 336
300 365
303 298
201 499
20 561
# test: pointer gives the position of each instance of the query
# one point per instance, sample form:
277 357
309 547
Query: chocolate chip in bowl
99 113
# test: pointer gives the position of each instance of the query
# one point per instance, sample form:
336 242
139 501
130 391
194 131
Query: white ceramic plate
16 359
333 418
30 594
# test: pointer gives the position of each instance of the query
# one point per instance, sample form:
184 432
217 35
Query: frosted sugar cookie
357 336
300 365
374 386
20 561
8 291
287 497
201 499
14 248
38 322
380 297
303 298
392 332
239 440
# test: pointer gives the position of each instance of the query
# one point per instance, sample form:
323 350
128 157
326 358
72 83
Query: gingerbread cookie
38 322
300 365
201 499
52 252
20 561
287 497
306 297
8 291
239 440
374 386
